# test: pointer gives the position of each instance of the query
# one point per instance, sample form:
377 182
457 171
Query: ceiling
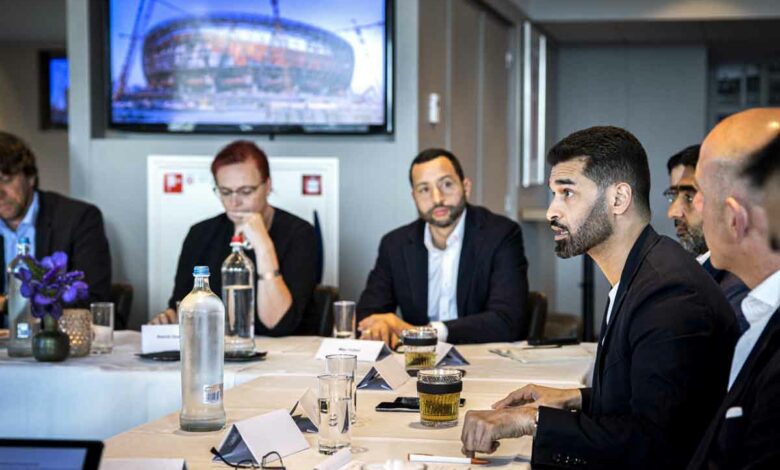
725 40
710 32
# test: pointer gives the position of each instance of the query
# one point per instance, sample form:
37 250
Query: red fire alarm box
172 183
312 185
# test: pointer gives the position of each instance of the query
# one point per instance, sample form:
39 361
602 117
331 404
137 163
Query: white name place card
447 355
254 437
156 338
387 374
366 351
336 461
309 404
143 464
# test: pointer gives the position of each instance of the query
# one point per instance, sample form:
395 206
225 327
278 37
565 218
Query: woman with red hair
283 245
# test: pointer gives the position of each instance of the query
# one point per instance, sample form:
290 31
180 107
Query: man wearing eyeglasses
283 245
689 225
458 267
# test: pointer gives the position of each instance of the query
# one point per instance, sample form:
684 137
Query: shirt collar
29 218
703 257
455 237
766 295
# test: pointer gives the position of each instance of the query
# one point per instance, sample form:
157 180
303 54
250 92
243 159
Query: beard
454 212
692 238
594 231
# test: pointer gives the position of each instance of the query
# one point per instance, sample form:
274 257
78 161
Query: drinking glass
439 393
102 327
344 319
345 364
333 424
77 324
419 348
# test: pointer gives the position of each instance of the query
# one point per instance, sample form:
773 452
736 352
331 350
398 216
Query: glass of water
333 400
344 319
102 327
345 364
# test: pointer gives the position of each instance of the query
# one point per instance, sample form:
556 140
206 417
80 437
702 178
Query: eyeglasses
250 463
243 191
687 192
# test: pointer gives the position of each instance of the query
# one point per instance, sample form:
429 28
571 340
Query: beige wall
20 109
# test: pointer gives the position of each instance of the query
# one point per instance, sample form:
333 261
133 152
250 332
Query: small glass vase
50 344
77 324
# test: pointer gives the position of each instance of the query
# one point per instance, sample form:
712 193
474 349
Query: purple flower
58 261
48 284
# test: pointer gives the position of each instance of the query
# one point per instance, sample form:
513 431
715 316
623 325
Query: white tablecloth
100 396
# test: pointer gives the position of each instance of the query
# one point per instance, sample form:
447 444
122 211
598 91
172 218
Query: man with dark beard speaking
667 336
459 267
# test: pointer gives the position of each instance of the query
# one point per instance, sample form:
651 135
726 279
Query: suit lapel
647 239
416 260
472 236
766 345
43 227
2 258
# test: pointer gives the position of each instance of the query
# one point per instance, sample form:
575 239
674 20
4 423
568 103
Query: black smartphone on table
405 405
553 341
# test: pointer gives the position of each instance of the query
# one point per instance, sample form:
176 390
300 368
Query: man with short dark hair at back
745 430
459 267
51 221
666 337
688 223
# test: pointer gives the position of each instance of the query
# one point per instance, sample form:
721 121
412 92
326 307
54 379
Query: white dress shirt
612 294
611 300
443 277
702 258
758 307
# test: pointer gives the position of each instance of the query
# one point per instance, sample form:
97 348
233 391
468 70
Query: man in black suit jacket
745 430
667 336
688 223
58 223
459 267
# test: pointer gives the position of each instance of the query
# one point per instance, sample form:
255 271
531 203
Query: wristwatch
268 275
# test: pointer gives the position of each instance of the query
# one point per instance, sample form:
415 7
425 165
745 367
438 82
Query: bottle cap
200 271
237 239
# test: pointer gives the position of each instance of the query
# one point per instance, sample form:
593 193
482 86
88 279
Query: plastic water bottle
23 326
238 294
202 331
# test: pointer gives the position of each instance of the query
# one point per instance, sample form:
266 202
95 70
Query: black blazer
492 279
752 440
208 244
661 369
75 227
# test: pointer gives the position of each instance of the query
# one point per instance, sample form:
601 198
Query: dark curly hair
16 157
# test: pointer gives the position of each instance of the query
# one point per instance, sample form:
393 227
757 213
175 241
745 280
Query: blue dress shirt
25 229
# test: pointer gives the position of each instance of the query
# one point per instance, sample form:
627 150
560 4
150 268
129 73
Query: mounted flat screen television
251 66
54 89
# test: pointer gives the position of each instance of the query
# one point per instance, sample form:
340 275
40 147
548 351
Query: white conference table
291 368
96 397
